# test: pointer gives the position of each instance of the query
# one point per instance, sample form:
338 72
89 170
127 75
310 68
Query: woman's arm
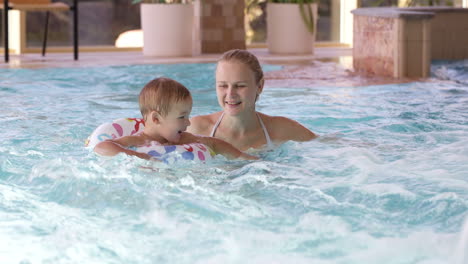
113 147
219 146
226 149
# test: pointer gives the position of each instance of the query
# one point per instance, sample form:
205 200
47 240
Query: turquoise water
387 182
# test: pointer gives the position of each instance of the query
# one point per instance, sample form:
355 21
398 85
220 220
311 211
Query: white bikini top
269 143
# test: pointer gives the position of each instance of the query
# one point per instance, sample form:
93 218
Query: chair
40 5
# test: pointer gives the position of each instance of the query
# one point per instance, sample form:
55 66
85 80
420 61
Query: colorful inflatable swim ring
129 126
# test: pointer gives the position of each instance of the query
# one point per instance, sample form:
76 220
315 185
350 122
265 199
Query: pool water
387 181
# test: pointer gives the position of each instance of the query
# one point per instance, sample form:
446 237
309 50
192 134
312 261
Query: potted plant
167 27
291 26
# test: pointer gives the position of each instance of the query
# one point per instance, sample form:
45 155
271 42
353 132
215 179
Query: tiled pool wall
401 42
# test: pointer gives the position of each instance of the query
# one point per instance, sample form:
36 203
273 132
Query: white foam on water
416 247
461 252
380 189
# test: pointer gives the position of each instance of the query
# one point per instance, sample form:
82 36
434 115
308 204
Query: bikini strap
213 131
265 131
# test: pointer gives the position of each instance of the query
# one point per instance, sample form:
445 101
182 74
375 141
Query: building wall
449 33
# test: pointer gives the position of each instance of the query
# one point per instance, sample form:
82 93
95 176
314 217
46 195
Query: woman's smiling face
236 87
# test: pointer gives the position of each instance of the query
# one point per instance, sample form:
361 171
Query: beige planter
287 32
167 29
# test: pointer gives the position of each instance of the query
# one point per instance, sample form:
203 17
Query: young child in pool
165 105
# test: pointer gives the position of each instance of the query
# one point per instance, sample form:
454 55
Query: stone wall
401 42
374 43
392 42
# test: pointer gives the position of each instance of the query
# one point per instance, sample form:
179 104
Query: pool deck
329 66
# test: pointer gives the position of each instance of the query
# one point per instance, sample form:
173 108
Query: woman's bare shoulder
203 124
274 122
282 128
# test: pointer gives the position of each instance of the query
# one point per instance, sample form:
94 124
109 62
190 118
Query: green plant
306 11
162 1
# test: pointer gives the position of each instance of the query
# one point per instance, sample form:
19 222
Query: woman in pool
239 83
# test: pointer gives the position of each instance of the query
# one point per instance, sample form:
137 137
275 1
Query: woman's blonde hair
247 58
159 94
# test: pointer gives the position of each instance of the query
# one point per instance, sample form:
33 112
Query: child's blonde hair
159 94
247 58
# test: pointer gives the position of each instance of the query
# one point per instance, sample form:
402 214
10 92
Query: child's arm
226 149
113 147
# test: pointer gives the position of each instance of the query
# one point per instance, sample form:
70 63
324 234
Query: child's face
176 121
236 87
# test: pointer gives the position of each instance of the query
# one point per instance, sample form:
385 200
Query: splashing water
385 183
462 248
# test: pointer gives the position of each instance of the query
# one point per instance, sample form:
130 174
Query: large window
100 23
